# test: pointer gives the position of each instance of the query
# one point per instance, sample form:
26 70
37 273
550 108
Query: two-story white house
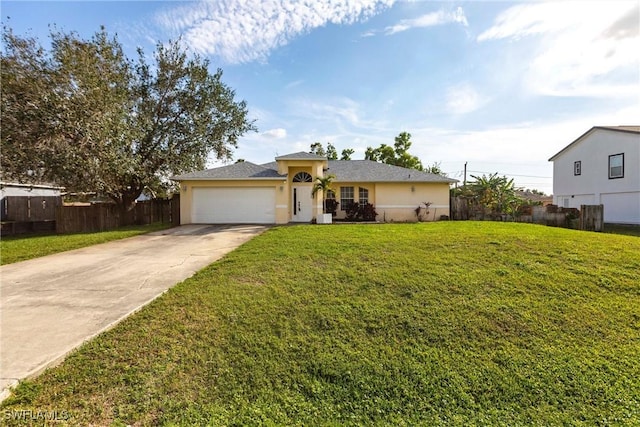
601 167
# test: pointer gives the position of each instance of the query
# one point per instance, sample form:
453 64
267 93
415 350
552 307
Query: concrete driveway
51 305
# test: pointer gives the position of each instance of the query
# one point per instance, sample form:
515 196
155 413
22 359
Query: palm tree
323 184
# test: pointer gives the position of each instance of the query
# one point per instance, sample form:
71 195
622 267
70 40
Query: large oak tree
83 115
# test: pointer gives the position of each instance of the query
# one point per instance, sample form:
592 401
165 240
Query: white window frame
577 168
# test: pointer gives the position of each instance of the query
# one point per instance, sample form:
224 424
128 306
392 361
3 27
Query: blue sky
500 85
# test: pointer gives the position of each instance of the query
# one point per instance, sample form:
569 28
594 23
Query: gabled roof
343 170
370 171
301 156
236 171
626 129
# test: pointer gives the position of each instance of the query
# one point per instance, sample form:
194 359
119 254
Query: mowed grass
449 323
21 248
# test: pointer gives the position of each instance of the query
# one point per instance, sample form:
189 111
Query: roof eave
400 181
275 178
612 129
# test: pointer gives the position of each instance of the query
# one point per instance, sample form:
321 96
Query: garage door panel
224 205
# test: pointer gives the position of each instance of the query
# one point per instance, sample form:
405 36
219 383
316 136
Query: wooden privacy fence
107 216
592 217
588 217
28 214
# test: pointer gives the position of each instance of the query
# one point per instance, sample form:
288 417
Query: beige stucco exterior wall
340 214
397 202
291 167
280 185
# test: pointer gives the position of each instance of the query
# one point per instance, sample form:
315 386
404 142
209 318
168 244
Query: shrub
358 212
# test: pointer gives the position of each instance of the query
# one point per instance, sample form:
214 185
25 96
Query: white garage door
239 205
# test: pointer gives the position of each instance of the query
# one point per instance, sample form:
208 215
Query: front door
302 205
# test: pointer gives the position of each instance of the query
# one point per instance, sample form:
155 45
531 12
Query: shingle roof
302 155
242 170
632 129
627 129
343 170
370 171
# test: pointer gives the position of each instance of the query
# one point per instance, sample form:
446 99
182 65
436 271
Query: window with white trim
363 196
577 168
616 166
346 197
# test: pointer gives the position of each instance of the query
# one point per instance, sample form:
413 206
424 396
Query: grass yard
449 323
21 248
629 230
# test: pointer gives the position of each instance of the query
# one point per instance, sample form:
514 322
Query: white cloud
463 98
277 133
439 17
336 111
585 48
293 84
240 31
519 150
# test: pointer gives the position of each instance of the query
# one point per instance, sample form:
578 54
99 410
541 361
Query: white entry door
301 199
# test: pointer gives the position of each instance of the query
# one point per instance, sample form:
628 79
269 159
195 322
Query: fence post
592 217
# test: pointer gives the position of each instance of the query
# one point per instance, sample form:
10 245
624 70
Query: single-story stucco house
281 192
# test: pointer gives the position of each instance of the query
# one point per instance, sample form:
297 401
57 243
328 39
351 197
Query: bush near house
361 212
442 323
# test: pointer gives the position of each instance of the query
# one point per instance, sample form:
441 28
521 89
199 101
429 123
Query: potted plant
323 184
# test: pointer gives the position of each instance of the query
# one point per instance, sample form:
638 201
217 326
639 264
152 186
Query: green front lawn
456 323
24 247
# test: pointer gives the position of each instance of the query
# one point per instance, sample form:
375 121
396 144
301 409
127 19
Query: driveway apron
51 305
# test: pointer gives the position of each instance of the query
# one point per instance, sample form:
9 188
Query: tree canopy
84 115
330 152
397 155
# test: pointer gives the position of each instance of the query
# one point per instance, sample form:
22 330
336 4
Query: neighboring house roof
343 170
236 171
534 197
17 189
626 129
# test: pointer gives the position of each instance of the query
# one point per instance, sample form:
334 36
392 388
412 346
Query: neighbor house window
363 195
616 166
577 168
346 197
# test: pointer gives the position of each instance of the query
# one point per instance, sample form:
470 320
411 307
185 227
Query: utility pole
465 174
